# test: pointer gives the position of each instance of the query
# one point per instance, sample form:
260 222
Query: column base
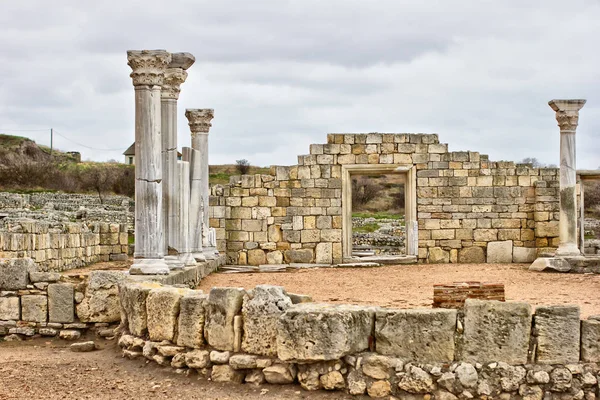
199 256
211 253
568 250
149 266
188 259
174 262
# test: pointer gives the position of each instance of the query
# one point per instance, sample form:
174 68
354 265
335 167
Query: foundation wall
488 349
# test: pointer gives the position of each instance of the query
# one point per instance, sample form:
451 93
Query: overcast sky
282 74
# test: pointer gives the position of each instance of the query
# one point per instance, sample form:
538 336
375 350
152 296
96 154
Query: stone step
385 260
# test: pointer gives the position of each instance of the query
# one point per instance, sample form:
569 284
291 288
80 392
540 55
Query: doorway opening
379 212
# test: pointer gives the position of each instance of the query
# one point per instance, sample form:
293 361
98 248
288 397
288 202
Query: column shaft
184 213
567 224
170 183
148 187
195 199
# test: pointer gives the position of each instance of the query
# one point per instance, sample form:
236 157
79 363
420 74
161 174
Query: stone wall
64 245
468 209
34 303
489 349
68 207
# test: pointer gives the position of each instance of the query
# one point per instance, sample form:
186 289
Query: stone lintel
182 60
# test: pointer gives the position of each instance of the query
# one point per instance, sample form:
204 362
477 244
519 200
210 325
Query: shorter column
185 254
199 122
567 115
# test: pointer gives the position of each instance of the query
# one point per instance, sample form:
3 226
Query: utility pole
51 140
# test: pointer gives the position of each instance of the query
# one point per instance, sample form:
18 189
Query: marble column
148 68
175 75
199 122
185 254
567 115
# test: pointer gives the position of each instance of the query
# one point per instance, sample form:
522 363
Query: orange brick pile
453 295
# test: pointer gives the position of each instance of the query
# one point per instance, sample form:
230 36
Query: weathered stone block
133 305
323 253
162 305
261 310
192 307
101 300
437 255
558 333
225 373
197 359
256 257
222 306
61 302
10 308
425 335
315 332
34 308
500 252
471 255
301 256
14 273
590 340
496 331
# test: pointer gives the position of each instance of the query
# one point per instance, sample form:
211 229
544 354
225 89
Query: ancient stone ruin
460 208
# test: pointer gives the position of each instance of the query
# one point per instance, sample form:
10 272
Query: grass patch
131 239
377 215
589 236
367 228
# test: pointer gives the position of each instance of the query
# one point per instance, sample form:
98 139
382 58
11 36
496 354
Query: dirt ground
47 369
412 285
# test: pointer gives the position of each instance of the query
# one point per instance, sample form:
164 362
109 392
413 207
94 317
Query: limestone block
101 300
524 254
10 308
192 309
162 306
132 296
496 331
256 257
280 373
323 253
14 273
44 277
590 340
261 310
61 302
34 308
557 331
197 359
275 257
301 256
225 373
315 332
222 306
438 256
500 252
421 335
471 255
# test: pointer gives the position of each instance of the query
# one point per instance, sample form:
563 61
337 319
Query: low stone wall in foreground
488 350
63 246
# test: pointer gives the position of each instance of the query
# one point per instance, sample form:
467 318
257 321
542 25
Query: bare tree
243 166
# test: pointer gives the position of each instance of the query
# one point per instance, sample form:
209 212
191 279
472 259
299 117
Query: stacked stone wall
62 246
488 349
469 209
65 207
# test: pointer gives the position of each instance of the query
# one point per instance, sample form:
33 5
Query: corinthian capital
171 86
148 66
567 113
199 120
175 74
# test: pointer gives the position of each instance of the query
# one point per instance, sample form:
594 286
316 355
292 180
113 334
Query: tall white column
148 68
567 115
175 76
185 254
199 122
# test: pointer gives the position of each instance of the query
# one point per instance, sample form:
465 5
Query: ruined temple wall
469 209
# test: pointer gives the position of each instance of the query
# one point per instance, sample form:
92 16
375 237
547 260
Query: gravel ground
47 369
412 285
